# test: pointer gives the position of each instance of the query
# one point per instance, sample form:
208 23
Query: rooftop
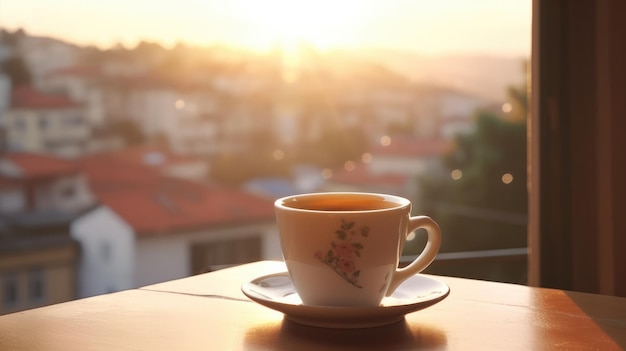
35 166
25 97
76 71
34 231
152 155
361 175
156 204
411 147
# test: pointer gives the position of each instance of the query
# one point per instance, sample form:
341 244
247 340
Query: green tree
16 69
129 131
335 146
481 201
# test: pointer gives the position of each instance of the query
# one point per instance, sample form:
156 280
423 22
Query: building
45 123
32 183
38 261
392 168
153 227
45 55
79 84
444 112
39 197
360 179
185 115
161 159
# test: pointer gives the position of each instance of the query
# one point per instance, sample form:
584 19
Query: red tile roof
24 97
399 147
76 71
154 204
411 147
38 166
150 155
360 175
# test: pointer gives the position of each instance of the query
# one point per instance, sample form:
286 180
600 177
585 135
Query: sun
324 24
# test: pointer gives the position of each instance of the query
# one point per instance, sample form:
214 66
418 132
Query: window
68 191
10 290
20 123
422 99
73 121
214 255
44 121
12 200
36 285
105 251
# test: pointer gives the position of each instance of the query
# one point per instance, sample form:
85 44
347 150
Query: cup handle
425 258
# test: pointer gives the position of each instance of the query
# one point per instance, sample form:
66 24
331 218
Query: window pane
179 128
206 257
10 290
36 285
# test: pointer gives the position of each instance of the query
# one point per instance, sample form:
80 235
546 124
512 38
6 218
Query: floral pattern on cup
343 253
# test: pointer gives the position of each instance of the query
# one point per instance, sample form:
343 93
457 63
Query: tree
481 203
12 39
129 131
335 146
16 69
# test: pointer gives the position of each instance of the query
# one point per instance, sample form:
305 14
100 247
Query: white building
151 228
183 116
42 183
444 112
115 256
79 84
107 253
392 168
45 123
46 55
39 197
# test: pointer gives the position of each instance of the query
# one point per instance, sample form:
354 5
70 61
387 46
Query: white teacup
343 249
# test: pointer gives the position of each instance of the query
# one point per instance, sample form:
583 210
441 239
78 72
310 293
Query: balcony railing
481 255
502 265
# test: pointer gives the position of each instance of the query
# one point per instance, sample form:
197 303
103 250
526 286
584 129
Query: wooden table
209 312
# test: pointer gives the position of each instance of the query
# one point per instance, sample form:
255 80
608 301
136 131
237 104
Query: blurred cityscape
125 167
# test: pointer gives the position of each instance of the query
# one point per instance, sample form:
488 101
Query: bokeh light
456 174
507 107
179 104
385 140
278 154
366 157
349 165
507 178
327 173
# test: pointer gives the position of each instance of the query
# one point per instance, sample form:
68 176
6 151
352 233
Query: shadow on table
287 335
607 316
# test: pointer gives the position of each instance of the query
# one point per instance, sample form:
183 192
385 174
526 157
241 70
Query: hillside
483 75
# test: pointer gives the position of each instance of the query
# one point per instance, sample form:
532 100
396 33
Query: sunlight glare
290 23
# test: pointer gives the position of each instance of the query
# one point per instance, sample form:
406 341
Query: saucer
277 292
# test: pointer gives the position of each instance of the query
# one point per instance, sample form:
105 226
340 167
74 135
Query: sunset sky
430 27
